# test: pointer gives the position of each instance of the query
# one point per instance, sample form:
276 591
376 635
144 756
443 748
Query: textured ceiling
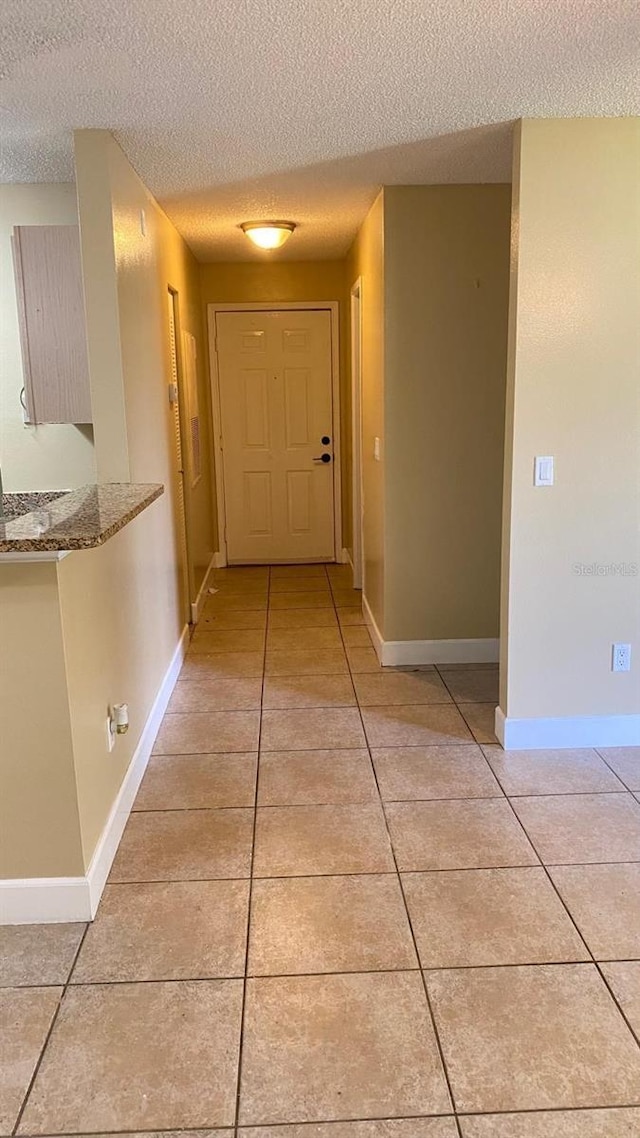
300 109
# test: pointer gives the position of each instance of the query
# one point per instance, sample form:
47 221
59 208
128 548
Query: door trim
333 308
357 535
182 487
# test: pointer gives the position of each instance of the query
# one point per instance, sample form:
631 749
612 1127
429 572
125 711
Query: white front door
276 415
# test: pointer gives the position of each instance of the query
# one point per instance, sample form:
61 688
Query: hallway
426 912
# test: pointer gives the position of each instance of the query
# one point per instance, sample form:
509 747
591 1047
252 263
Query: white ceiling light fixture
268 234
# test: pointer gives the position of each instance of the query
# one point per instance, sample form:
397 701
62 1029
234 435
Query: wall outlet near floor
621 658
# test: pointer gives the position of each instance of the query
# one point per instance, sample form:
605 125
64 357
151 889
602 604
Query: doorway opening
276 413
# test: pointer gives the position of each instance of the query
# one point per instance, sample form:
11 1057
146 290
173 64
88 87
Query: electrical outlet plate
621 658
111 735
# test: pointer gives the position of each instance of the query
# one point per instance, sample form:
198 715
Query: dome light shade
268 234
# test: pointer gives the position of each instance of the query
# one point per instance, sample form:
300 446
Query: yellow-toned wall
120 628
93 152
574 392
50 456
366 260
39 816
123 614
271 282
434 264
128 334
446 303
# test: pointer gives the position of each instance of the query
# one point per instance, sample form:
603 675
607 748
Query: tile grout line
54 1020
284 1126
205 978
366 873
634 1034
362 801
236 1127
591 957
408 916
614 772
350 707
236 1120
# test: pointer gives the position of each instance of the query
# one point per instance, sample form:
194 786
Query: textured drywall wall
123 657
446 302
572 551
39 815
366 261
127 276
120 627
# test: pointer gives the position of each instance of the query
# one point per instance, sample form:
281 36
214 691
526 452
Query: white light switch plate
376 449
543 470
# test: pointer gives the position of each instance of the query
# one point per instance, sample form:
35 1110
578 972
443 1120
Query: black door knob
325 440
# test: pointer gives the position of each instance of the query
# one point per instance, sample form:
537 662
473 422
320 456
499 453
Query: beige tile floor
340 910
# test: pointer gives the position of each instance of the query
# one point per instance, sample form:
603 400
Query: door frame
333 308
355 298
182 486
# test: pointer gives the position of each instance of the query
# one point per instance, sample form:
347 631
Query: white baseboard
370 621
44 900
395 653
220 560
198 604
568 731
48 900
345 558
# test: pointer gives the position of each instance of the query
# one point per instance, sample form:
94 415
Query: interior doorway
277 432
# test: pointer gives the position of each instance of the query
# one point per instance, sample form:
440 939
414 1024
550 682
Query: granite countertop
77 519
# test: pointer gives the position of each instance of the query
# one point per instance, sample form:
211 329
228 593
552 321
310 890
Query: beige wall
288 282
270 281
446 302
102 626
434 263
49 456
39 817
574 392
127 275
120 628
366 261
121 605
78 635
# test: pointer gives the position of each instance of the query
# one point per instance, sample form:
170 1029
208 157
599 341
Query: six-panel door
276 407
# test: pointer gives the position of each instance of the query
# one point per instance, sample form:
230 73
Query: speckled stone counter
79 519
15 505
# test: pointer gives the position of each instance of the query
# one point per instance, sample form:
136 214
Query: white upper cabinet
52 323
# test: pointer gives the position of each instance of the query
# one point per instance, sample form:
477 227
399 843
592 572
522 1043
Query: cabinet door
52 323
